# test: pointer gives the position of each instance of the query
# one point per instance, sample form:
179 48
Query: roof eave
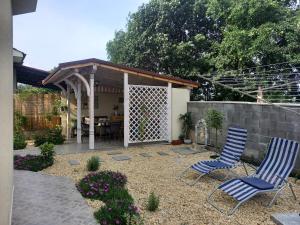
64 66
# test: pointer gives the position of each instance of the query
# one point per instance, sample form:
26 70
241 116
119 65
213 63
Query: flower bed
97 185
31 162
109 187
36 162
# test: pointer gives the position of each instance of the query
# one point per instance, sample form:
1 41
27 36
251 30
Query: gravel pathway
48 200
179 203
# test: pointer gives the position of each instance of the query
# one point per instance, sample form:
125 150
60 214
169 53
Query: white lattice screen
148 113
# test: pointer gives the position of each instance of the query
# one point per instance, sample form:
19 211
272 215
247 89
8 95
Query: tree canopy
186 37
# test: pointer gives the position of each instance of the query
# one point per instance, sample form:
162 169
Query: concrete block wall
262 121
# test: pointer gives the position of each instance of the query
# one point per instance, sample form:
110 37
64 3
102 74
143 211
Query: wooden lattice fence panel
148 107
35 109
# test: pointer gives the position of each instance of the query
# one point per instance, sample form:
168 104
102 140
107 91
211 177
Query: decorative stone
184 150
114 153
146 155
74 162
162 153
121 158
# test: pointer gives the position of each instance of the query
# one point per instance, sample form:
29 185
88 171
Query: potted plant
187 125
214 120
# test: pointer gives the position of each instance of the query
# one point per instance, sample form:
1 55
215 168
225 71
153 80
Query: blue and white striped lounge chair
229 158
271 176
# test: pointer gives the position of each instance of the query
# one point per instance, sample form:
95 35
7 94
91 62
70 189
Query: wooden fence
37 108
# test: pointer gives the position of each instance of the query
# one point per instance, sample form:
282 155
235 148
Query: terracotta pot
176 142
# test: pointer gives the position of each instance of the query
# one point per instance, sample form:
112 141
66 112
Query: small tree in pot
187 125
214 120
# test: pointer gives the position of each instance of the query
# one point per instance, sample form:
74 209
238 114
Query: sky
66 30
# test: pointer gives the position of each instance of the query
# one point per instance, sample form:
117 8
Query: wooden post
68 112
126 111
91 111
79 111
169 107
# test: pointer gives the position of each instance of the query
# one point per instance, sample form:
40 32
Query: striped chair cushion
232 151
278 163
208 166
238 189
234 146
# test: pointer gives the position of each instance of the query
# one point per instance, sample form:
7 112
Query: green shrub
31 162
187 124
55 136
93 163
19 141
214 120
119 195
153 202
47 151
40 139
116 213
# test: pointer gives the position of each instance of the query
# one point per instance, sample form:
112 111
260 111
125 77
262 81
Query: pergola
140 88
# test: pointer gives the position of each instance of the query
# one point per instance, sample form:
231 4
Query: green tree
189 37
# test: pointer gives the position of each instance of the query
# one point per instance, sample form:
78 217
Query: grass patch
153 202
93 163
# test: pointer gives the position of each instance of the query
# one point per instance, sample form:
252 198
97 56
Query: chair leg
245 168
292 190
212 203
183 173
198 178
189 183
275 197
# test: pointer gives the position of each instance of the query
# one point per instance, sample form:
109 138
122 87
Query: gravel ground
180 204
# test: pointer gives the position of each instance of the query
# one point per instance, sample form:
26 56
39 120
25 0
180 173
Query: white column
79 111
91 111
126 110
6 112
169 111
68 112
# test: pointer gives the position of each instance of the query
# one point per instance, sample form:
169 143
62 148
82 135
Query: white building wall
6 112
180 98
